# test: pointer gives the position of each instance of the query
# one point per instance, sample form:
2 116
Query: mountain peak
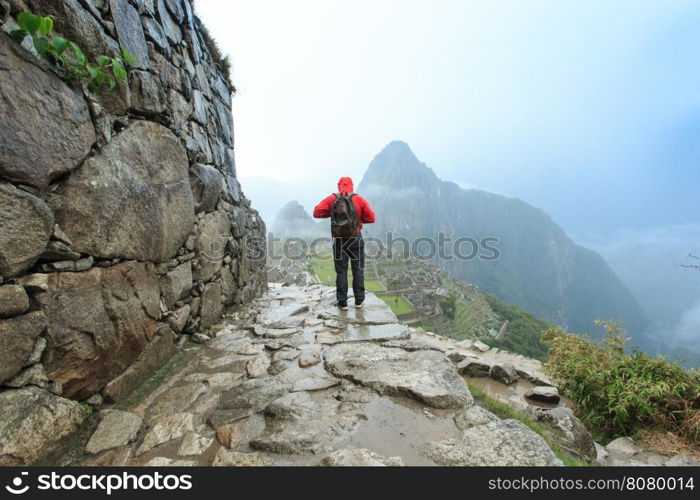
292 213
294 208
398 145
294 221
397 151
397 166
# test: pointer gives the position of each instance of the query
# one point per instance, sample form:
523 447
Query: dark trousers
352 250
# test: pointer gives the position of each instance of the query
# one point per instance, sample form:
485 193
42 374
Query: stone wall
123 226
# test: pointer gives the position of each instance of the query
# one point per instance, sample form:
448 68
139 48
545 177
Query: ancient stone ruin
123 227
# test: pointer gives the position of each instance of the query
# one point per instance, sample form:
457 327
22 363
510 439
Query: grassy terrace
471 312
324 270
397 303
373 286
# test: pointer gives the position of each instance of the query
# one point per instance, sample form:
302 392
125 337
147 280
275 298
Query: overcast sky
589 110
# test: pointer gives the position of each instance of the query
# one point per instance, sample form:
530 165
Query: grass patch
505 411
324 270
373 286
397 303
89 410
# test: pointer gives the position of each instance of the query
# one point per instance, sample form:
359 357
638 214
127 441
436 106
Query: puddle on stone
398 427
518 390
394 427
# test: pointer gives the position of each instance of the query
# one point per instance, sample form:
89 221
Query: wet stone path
292 380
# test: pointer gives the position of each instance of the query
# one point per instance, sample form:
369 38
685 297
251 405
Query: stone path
292 380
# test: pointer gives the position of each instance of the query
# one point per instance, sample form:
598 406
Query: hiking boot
342 305
358 305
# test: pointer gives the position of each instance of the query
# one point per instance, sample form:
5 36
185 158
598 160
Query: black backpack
344 222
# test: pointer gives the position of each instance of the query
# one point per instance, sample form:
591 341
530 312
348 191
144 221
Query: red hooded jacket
345 186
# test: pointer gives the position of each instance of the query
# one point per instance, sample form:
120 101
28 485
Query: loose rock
504 373
545 394
200 338
480 346
472 367
573 434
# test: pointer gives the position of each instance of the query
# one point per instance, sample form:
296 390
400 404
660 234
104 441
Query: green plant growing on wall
104 71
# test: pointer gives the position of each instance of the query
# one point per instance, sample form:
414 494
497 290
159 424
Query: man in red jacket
348 249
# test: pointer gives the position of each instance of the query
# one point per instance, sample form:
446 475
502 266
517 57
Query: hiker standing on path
348 211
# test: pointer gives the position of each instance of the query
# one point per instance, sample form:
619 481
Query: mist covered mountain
292 221
539 269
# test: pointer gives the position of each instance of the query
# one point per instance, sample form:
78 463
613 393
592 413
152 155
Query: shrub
619 392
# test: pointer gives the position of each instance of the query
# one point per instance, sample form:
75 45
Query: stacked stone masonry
123 227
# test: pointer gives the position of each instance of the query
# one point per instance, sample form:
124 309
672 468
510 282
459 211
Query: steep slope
539 268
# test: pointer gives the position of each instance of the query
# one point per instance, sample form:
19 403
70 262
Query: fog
650 262
588 110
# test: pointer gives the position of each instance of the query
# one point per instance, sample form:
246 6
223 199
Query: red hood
345 185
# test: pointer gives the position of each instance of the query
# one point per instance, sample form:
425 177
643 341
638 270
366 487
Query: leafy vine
103 71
